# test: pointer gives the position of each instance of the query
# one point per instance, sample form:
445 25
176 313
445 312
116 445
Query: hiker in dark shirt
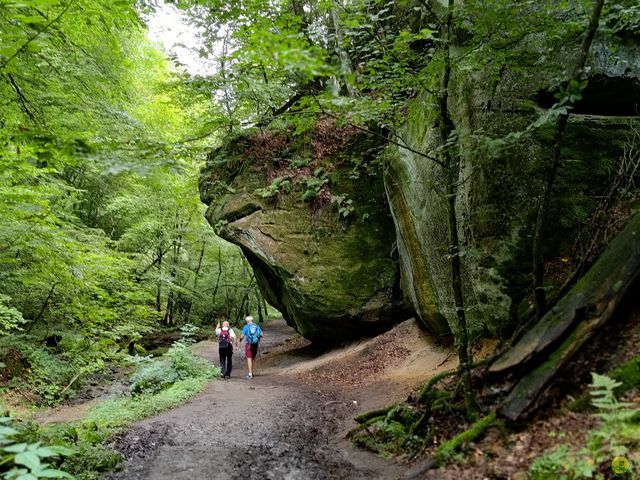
227 342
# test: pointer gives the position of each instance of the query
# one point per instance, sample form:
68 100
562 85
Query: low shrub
158 385
179 363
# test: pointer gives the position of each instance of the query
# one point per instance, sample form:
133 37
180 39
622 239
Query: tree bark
573 321
451 160
259 307
345 62
608 278
44 305
547 187
171 297
196 277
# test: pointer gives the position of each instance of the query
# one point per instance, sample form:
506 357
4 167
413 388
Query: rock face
271 193
500 181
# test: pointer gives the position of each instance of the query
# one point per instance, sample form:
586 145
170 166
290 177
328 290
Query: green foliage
28 461
390 434
628 374
313 187
47 371
623 18
278 185
561 464
344 204
180 363
10 318
102 233
157 385
617 434
152 378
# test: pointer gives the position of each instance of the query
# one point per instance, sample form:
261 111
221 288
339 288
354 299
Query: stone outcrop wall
332 277
501 176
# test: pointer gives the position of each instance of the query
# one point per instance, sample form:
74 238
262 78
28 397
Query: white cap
248 318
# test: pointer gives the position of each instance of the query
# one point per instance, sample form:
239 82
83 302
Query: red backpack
224 339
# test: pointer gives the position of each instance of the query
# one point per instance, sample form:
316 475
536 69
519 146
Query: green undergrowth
28 461
617 434
157 385
409 429
627 374
53 373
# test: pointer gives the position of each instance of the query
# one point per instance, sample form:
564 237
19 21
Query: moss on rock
331 277
502 170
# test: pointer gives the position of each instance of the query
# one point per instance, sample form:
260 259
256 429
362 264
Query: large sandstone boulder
331 272
500 181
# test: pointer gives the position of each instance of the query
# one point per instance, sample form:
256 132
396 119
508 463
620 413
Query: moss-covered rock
501 175
331 273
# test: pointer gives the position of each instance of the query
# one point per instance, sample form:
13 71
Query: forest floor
290 421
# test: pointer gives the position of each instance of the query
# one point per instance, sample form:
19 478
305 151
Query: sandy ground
288 422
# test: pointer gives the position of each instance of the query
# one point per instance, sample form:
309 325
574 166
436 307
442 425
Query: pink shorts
250 350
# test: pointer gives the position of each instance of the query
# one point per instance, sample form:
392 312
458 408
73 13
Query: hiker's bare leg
250 365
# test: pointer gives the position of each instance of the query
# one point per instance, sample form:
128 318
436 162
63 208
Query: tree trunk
44 306
345 63
245 299
451 161
259 307
573 321
196 277
171 297
547 187
159 285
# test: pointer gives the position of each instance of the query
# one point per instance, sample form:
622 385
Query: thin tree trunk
226 100
160 253
44 306
259 306
159 285
217 285
196 277
245 298
345 63
451 161
547 347
227 301
547 187
171 297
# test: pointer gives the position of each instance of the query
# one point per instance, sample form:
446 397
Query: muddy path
276 426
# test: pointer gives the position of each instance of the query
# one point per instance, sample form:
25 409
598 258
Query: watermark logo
620 466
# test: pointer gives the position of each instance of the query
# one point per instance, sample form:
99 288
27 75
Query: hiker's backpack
224 338
253 334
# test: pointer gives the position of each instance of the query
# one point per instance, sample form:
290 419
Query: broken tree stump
553 341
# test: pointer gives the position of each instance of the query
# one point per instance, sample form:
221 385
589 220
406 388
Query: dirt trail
289 421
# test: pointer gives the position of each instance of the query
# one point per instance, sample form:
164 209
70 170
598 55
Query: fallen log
603 286
573 321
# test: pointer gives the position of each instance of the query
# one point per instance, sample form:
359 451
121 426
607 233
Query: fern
618 434
604 399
